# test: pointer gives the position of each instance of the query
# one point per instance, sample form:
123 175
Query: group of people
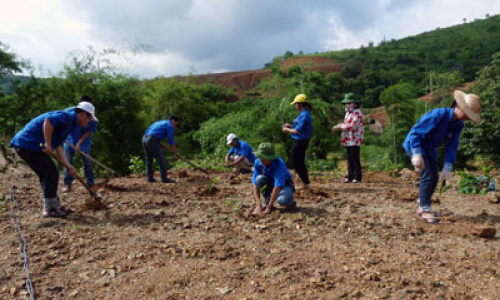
46 134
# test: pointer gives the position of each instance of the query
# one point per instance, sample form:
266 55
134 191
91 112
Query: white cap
88 107
230 138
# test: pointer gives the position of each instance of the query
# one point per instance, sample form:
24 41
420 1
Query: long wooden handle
185 159
91 158
90 190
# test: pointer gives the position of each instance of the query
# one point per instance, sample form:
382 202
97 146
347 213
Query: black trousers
44 168
353 163
298 159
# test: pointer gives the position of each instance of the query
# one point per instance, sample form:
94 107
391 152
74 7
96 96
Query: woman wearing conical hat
435 127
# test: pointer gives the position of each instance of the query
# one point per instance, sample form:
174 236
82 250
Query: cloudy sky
202 36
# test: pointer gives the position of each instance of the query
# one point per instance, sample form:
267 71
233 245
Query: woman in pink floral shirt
353 131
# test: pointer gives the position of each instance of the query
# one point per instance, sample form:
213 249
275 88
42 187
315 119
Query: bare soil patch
179 241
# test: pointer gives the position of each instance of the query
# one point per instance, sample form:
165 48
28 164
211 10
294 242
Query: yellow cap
300 98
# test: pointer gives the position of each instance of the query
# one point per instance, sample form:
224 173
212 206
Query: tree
482 139
8 61
398 101
443 84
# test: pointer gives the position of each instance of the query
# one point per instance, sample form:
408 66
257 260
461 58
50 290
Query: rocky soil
197 239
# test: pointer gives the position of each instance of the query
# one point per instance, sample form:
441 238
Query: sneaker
66 189
168 180
152 180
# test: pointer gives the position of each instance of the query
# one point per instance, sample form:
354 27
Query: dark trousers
87 167
429 178
299 159
153 150
44 168
353 163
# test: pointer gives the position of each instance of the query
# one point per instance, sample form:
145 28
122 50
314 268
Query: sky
178 37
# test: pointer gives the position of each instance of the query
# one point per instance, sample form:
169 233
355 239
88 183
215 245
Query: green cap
350 98
266 151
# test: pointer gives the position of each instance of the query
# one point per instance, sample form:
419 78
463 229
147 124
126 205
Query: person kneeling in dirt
38 140
272 178
435 127
151 144
240 155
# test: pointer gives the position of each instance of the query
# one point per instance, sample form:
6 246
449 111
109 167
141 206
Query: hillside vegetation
126 105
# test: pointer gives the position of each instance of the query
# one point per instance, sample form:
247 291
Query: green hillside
7 83
464 48
393 74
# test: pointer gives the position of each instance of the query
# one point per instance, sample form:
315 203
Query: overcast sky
208 36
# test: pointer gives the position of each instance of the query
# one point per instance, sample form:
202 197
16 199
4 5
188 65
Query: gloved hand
417 160
446 173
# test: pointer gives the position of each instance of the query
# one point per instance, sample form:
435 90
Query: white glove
417 160
446 173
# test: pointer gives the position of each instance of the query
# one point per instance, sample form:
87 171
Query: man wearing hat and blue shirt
271 174
80 138
440 125
160 130
40 138
241 154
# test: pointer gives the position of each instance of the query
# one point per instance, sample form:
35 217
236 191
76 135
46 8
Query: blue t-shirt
303 124
77 133
434 128
277 171
161 130
243 149
31 136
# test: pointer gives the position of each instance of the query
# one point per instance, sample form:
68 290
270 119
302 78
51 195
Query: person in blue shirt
40 138
272 177
240 155
151 143
80 137
435 127
301 132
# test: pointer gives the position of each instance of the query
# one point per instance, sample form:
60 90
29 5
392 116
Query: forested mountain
393 74
7 83
464 48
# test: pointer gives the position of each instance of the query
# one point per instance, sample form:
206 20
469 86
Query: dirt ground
196 239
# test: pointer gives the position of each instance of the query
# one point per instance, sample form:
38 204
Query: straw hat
470 104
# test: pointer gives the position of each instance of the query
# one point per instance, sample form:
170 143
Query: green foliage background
395 74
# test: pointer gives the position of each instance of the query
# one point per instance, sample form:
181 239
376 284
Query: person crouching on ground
240 155
301 132
272 178
80 137
353 131
435 127
151 144
39 139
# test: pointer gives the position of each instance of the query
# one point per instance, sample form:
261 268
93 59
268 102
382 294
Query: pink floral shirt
353 129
